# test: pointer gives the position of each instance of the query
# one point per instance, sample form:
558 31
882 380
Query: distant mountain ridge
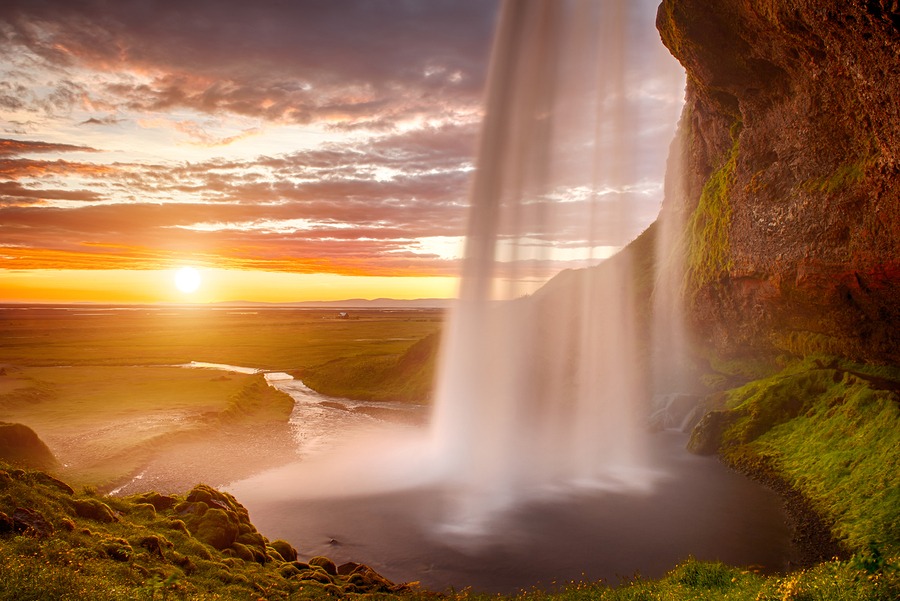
351 303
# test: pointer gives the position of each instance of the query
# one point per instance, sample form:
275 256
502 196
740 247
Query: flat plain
103 386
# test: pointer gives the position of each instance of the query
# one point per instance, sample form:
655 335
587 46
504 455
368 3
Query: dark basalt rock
706 437
31 523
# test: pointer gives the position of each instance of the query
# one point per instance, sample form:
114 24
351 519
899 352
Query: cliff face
791 159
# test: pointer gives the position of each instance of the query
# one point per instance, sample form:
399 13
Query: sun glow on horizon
187 280
149 286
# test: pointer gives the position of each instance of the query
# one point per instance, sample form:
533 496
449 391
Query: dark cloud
356 62
108 120
10 147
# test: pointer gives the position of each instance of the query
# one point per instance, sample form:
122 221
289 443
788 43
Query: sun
187 279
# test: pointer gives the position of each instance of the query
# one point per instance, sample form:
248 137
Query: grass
103 389
273 339
831 428
402 378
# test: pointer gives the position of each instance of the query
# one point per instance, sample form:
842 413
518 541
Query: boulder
154 544
30 522
20 445
285 549
48 480
94 509
215 527
117 549
324 563
6 524
159 502
706 437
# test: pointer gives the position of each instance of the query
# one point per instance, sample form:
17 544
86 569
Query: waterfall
543 387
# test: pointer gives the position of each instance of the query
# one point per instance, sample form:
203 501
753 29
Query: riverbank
825 433
214 457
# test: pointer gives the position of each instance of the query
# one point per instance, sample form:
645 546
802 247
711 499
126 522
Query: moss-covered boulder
324 563
285 549
215 527
159 502
94 509
706 437
21 446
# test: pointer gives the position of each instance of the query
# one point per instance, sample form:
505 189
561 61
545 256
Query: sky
287 150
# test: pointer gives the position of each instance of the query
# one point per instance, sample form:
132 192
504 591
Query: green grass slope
830 429
407 377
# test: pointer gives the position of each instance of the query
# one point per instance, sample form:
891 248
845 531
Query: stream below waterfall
363 493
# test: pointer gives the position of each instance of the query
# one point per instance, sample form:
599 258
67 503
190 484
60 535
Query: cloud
10 147
108 120
355 63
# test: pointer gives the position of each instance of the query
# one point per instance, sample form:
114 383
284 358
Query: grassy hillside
831 429
406 377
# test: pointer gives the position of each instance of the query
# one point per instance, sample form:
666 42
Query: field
103 388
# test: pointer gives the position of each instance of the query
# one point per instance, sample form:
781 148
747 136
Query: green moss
802 343
707 232
831 428
844 176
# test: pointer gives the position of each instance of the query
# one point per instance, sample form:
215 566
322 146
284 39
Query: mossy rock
48 480
117 549
177 525
252 539
155 544
367 579
706 437
315 576
20 445
144 511
285 549
94 509
191 508
242 551
324 563
215 527
159 502
288 570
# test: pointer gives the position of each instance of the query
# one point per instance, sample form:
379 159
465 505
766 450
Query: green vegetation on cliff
707 230
830 429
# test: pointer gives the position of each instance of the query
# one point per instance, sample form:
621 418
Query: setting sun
187 280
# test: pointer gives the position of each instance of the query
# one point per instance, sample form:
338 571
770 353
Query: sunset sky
288 150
